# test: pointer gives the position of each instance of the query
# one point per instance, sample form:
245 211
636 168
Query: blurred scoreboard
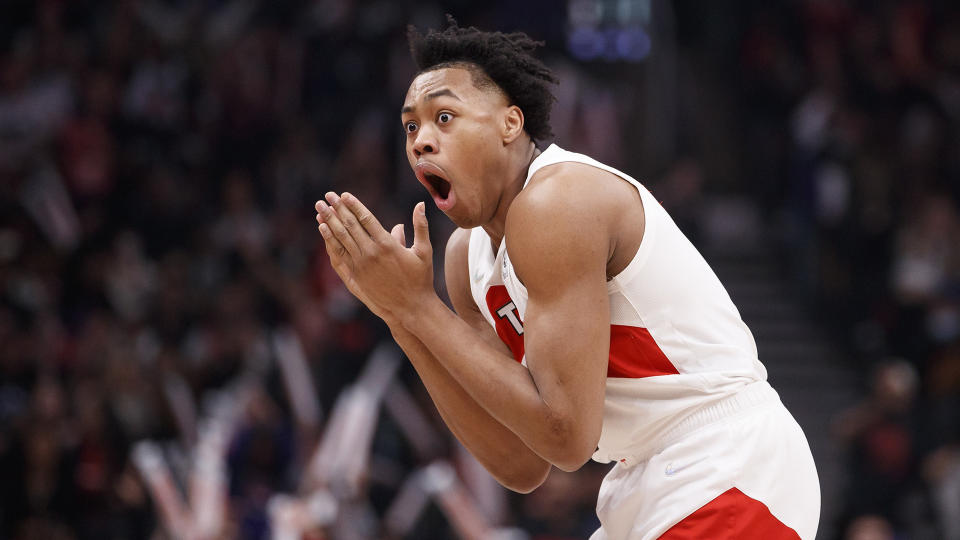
609 30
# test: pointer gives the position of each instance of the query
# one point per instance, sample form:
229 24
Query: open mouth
439 184
435 180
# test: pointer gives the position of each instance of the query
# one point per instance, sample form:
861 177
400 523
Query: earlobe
512 124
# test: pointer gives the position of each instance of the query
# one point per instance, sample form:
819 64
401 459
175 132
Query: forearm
558 415
497 448
499 385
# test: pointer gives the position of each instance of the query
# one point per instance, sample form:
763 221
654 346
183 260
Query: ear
512 124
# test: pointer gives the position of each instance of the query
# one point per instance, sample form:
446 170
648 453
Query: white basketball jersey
677 342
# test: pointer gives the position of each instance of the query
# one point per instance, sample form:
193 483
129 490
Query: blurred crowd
852 148
159 160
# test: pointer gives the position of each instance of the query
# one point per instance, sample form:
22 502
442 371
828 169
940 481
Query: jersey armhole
649 205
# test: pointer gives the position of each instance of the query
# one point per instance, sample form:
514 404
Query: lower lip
445 204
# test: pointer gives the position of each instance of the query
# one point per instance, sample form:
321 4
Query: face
455 138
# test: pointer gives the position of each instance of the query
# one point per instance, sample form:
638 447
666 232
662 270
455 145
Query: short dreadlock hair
504 60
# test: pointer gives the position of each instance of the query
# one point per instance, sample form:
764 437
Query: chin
462 221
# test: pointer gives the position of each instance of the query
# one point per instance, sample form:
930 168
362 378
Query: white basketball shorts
742 470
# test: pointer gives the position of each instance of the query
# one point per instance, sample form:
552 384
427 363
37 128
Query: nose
425 142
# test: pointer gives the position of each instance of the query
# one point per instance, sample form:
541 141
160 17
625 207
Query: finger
365 217
346 276
336 253
338 231
319 205
421 232
353 227
335 249
398 235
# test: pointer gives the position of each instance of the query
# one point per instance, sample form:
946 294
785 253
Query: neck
517 174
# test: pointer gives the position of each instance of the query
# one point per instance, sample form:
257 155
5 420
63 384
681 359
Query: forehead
458 80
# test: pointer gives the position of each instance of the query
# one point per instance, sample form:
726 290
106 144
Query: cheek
408 150
489 141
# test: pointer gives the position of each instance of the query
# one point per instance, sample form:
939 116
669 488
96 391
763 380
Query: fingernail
322 207
333 198
422 207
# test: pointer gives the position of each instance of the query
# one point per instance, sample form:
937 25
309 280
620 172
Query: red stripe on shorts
732 515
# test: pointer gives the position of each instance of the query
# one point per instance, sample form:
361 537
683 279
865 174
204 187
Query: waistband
744 400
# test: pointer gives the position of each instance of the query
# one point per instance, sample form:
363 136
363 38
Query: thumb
421 232
398 235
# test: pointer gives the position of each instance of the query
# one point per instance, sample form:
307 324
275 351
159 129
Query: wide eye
410 127
444 117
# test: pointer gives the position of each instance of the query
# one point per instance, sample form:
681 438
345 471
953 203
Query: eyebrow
432 95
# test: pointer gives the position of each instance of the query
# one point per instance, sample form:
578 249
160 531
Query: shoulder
574 186
564 178
456 270
456 259
561 221
458 245
569 196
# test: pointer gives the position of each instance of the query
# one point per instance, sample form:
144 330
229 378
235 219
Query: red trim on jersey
731 515
497 298
634 354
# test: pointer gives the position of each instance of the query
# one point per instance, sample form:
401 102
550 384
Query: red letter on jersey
508 323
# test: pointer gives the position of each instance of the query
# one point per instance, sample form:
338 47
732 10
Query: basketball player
586 324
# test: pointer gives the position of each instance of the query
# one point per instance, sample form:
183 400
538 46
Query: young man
586 324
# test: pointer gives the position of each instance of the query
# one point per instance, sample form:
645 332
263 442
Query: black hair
505 60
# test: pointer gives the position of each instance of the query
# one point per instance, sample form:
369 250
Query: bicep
567 341
569 323
561 257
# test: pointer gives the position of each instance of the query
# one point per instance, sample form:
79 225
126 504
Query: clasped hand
376 266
